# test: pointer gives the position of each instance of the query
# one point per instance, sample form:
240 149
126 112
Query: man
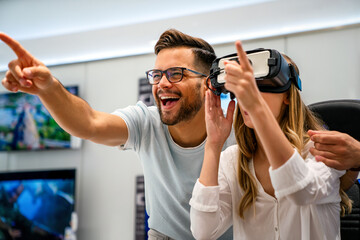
169 139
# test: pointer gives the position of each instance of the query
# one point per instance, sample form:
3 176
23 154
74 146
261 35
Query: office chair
344 116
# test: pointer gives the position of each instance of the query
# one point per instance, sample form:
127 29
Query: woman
268 186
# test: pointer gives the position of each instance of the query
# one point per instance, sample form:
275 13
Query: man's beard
187 110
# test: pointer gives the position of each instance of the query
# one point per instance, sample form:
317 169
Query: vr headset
272 72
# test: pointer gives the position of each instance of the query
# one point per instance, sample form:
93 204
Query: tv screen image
36 205
225 100
25 124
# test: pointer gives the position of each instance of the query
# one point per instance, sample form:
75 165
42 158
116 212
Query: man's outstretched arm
27 74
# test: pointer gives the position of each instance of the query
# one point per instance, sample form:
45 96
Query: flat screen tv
36 205
25 124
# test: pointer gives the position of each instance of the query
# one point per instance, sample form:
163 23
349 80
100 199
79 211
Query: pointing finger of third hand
325 138
325 132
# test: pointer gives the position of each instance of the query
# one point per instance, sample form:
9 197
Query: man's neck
189 133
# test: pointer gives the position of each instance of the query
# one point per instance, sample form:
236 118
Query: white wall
83 30
328 61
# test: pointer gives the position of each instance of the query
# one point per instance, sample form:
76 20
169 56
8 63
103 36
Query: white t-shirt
306 207
170 171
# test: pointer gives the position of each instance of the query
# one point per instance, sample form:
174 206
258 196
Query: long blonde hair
296 119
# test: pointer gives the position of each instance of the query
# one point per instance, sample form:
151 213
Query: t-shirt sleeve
137 119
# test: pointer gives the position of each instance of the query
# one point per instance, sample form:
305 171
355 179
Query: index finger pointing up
15 46
244 61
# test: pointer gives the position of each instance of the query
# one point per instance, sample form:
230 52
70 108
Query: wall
82 30
328 61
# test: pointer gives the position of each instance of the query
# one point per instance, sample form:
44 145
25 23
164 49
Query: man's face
179 101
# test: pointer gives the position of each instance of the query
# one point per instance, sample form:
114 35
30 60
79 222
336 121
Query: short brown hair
203 51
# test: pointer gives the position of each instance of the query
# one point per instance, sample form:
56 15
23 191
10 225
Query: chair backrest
344 116
340 115
350 224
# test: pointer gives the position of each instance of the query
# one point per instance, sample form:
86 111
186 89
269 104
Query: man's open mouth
168 101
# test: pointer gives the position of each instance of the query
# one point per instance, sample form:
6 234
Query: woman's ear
286 100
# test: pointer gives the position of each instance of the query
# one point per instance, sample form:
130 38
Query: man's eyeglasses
173 75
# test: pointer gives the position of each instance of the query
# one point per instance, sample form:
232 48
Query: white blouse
306 207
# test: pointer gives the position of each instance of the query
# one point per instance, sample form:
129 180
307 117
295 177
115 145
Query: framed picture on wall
145 92
25 124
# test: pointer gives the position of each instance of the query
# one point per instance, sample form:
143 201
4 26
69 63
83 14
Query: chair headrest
340 115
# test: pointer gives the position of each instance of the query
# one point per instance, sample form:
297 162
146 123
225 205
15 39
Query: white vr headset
271 70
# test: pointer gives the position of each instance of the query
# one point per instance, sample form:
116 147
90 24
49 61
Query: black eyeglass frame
168 77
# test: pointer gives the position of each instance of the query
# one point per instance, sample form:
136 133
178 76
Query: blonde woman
268 186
